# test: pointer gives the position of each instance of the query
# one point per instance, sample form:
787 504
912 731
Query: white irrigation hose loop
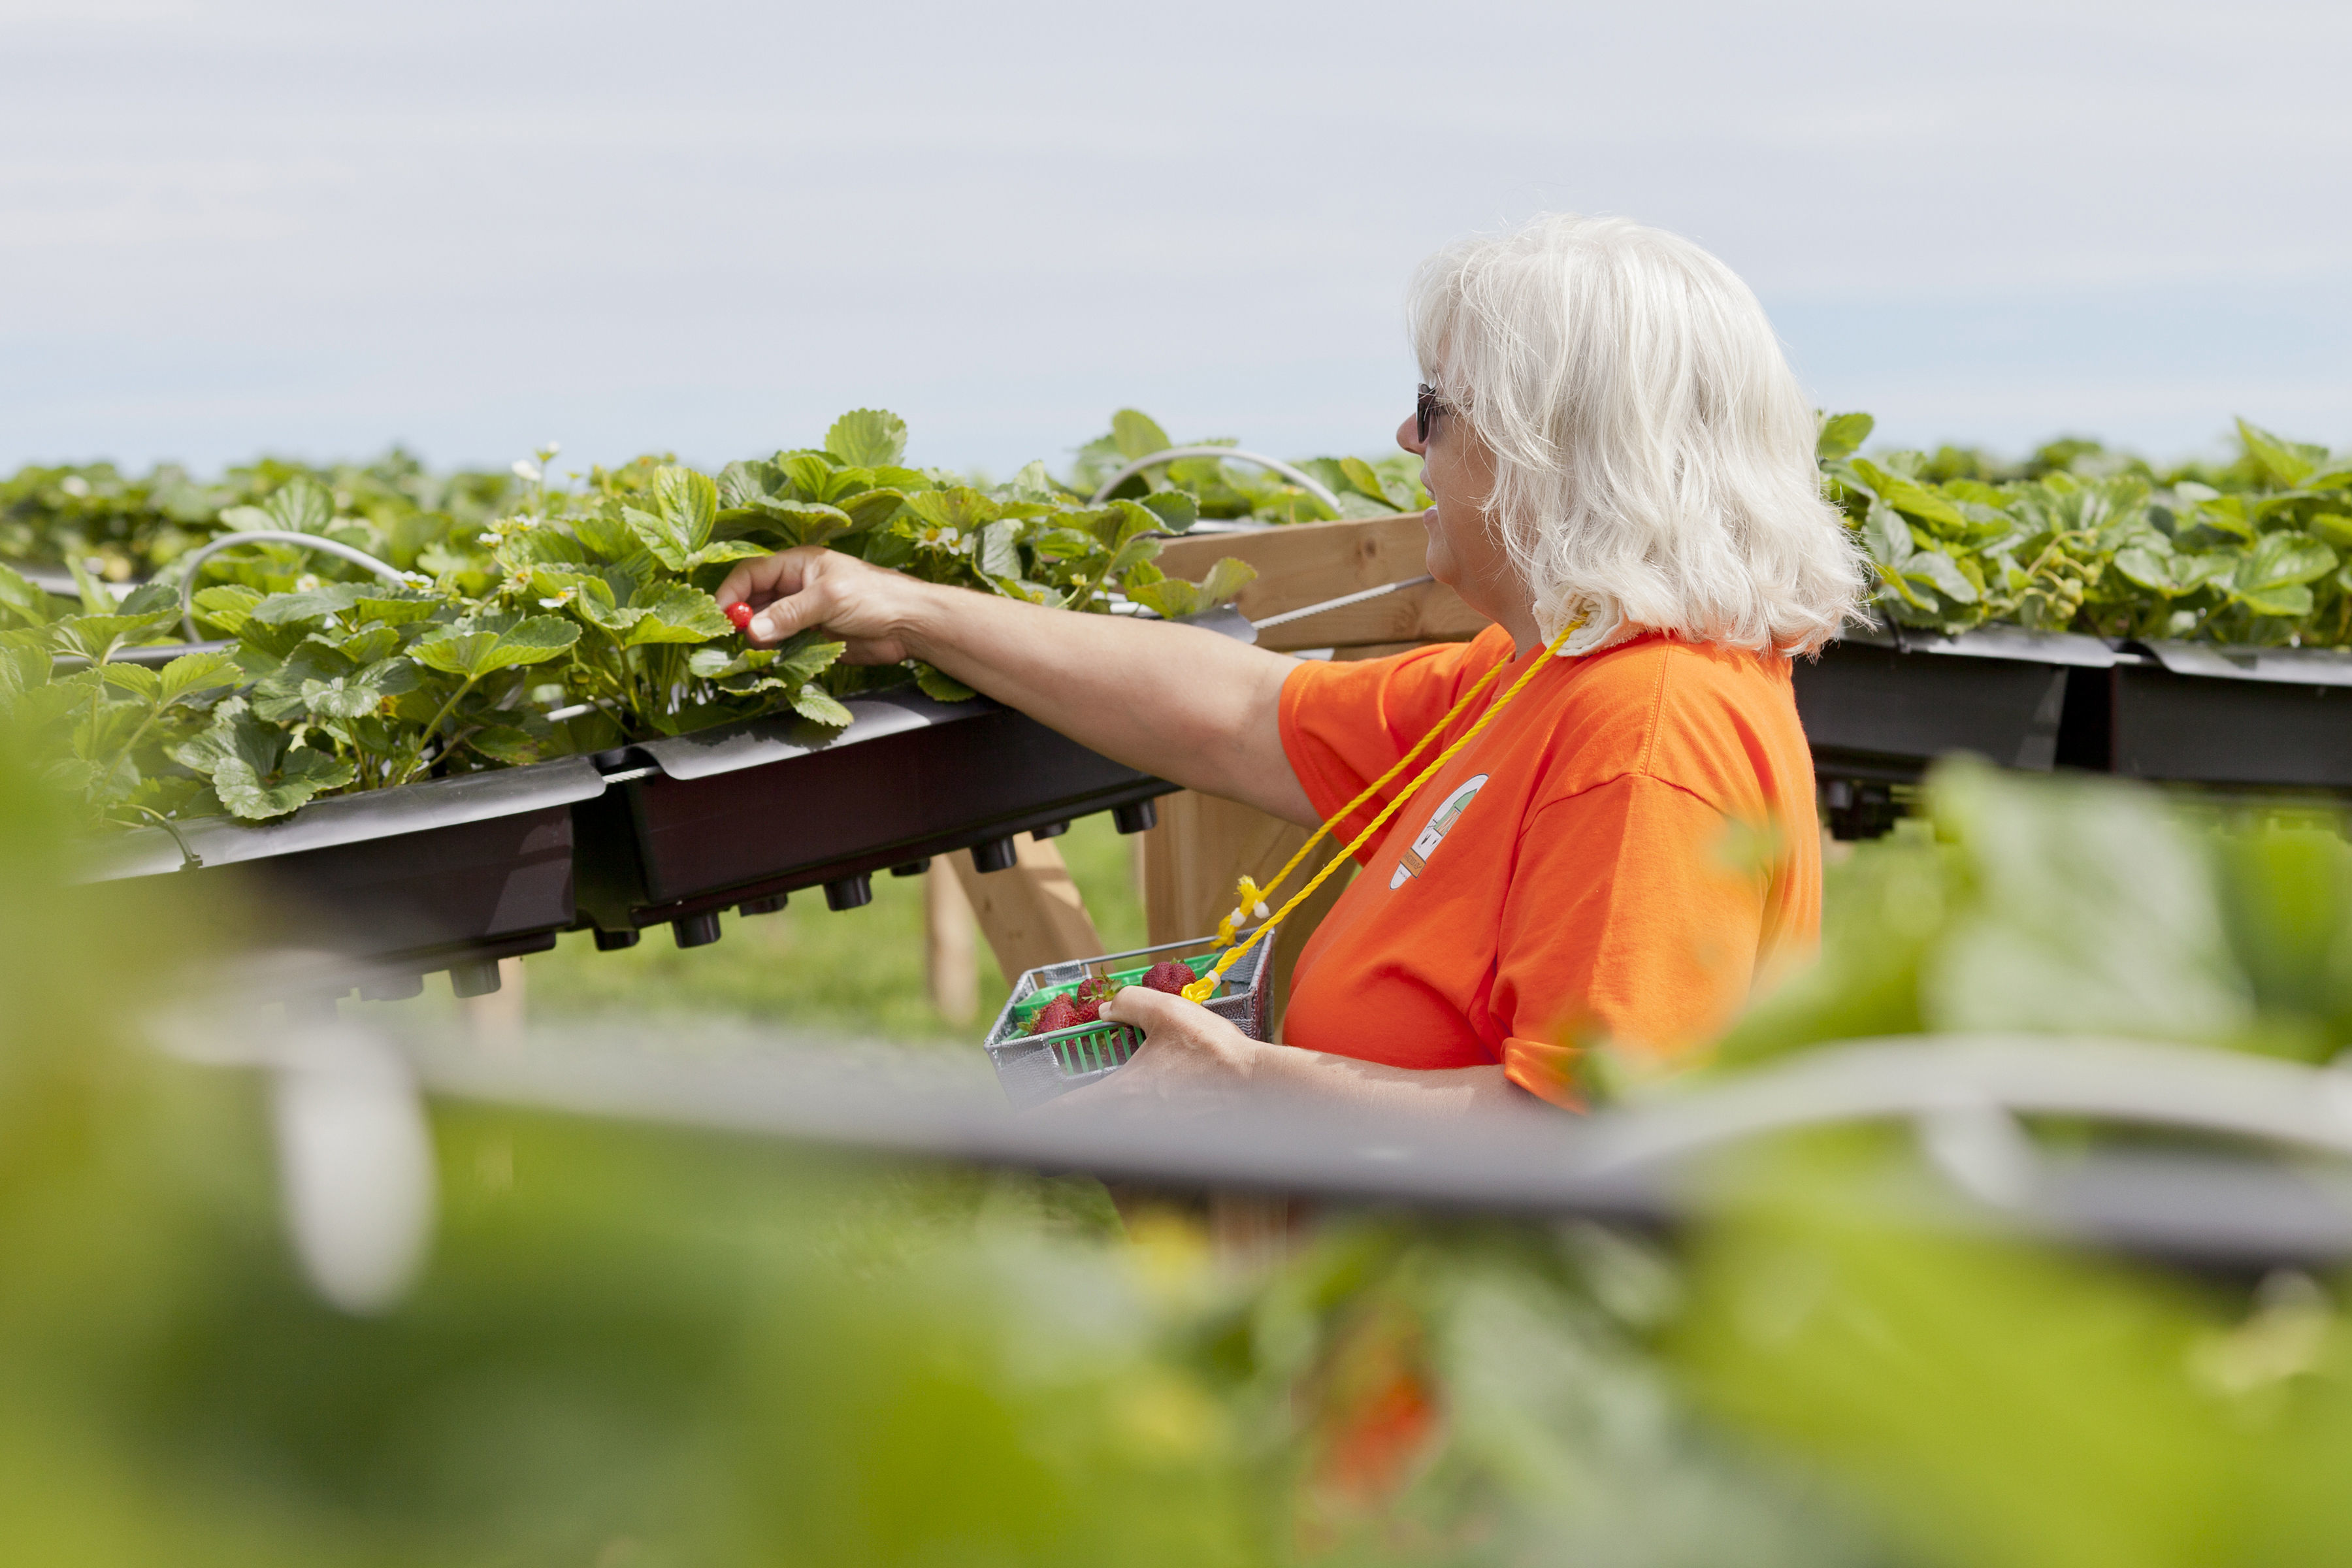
1909 1077
198 556
1305 481
1342 602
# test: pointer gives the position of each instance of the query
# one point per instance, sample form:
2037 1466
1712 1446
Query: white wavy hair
1653 455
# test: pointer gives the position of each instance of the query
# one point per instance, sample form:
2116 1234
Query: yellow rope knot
1251 898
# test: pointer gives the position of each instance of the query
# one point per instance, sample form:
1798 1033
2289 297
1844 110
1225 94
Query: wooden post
498 1018
1201 846
1307 563
951 961
1032 913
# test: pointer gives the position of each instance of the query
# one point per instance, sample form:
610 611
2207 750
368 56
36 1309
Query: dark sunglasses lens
1425 404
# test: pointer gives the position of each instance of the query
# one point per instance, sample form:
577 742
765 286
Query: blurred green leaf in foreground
638 1345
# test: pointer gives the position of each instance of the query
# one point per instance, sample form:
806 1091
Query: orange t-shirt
1616 857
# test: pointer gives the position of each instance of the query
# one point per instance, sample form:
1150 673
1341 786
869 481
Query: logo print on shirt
1441 822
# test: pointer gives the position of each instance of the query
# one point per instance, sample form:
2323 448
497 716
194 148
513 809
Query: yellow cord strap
1202 989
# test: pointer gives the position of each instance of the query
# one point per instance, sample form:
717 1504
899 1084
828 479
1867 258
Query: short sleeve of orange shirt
1618 856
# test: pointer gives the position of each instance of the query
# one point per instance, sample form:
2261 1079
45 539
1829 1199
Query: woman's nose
1409 438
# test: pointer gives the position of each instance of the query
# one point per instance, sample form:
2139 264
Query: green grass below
859 972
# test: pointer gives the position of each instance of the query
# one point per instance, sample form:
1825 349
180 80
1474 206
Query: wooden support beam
1032 913
951 959
1307 563
1202 845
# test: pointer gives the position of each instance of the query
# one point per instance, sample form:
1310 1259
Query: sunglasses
1426 405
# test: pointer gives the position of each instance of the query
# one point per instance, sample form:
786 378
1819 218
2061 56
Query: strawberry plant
1379 486
574 621
108 729
123 527
2082 540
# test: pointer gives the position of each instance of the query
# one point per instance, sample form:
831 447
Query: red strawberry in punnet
740 613
1055 1015
1089 997
1168 975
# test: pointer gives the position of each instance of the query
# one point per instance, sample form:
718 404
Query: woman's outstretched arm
1195 708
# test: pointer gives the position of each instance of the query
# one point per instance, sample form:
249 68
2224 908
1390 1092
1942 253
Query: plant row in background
536 619
2081 539
2076 537
123 527
572 620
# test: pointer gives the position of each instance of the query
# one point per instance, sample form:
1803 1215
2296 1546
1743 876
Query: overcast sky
706 226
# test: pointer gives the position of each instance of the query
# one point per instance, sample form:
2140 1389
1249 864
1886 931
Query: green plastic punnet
1034 1068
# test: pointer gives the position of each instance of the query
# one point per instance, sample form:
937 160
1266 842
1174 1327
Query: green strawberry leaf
1367 482
997 555
606 534
2283 463
361 693
365 645
194 672
234 734
1137 434
938 686
312 604
22 601
95 599
1176 510
685 508
1841 435
1911 498
2164 572
505 743
97 637
494 643
796 522
2291 600
867 438
226 607
137 680
674 613
302 773
2270 575
1885 535
1944 575
1172 597
300 505
2227 515
1225 579
814 702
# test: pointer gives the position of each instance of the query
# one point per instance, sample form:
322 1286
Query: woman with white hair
1615 449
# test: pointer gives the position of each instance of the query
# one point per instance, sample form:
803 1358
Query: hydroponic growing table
745 814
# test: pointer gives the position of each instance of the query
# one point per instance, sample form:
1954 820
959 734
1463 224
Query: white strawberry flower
526 471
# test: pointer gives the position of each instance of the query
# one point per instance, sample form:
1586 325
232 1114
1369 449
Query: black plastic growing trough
2204 713
381 888
745 814
1877 710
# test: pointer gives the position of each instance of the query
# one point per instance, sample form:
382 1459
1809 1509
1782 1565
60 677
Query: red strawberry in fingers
1089 997
740 613
1168 975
